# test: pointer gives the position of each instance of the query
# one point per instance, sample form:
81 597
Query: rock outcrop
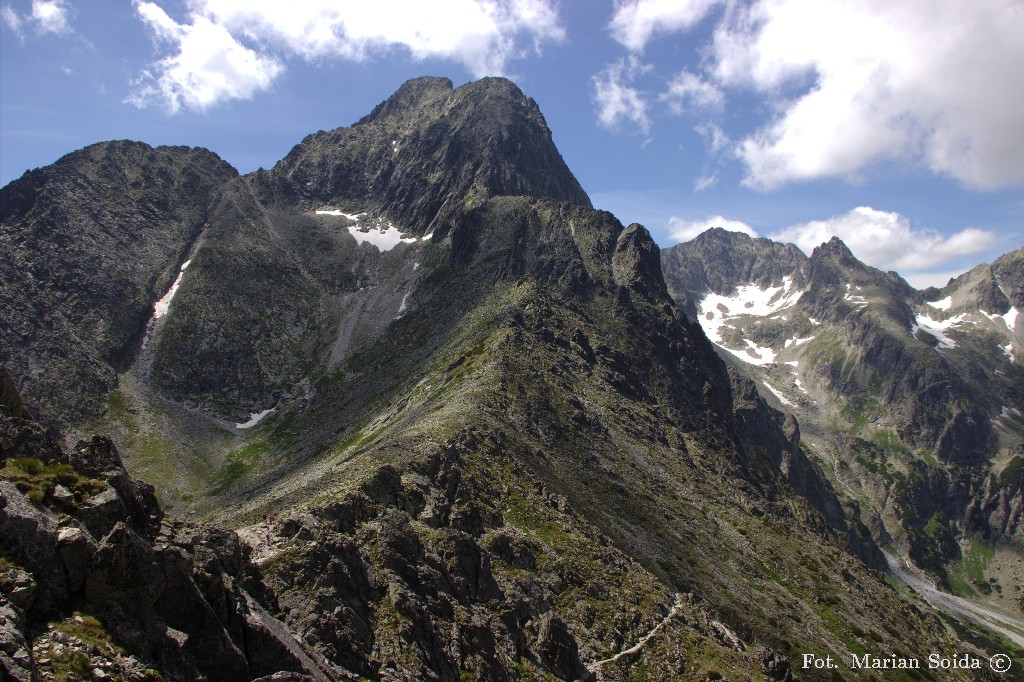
179 599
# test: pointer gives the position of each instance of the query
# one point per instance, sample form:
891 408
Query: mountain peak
835 248
428 151
414 93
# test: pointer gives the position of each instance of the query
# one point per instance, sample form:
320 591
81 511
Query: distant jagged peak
994 288
1009 272
836 250
720 260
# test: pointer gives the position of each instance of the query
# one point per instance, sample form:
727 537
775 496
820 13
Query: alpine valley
407 407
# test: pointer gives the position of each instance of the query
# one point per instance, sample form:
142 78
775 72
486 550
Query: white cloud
47 16
50 16
688 91
256 35
885 240
636 21
853 83
617 100
210 66
685 230
481 34
11 18
705 181
714 136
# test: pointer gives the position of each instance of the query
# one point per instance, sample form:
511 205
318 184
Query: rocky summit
407 407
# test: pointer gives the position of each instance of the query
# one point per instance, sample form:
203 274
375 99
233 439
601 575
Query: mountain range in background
464 426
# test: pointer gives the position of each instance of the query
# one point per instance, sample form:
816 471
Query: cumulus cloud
50 16
685 230
208 67
852 83
255 36
885 240
47 16
635 22
617 99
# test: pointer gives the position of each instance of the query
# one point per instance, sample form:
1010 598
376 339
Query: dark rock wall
87 245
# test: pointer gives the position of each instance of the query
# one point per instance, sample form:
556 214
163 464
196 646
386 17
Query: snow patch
164 304
756 355
415 267
384 238
1009 319
782 398
1006 414
1008 349
254 419
355 217
797 341
938 328
716 310
853 298
401 308
796 382
944 304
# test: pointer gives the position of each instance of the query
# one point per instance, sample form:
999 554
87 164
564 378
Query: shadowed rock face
87 245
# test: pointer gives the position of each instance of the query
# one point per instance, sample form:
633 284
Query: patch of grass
523 516
281 428
888 440
967 576
77 665
37 480
289 553
117 403
236 465
991 643
1012 473
88 629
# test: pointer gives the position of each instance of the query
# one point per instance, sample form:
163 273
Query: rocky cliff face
419 157
97 583
717 261
411 167
485 441
911 398
89 244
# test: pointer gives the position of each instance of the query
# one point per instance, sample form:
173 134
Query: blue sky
896 126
